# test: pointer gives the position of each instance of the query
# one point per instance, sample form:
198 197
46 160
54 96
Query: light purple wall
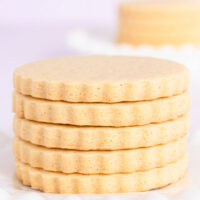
58 12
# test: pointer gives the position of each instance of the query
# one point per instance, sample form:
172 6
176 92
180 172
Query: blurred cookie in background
159 23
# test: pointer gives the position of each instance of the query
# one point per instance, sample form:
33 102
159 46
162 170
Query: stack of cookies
100 124
159 23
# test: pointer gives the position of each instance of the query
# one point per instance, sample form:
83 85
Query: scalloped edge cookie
101 114
158 78
159 18
159 39
161 12
99 162
53 182
100 138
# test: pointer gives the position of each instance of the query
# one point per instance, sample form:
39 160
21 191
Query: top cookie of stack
159 23
104 79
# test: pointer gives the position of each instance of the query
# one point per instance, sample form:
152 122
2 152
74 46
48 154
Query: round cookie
159 23
54 182
101 114
99 162
162 12
157 38
100 138
101 79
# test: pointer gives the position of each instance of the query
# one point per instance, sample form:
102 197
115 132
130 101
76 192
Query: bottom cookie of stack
55 182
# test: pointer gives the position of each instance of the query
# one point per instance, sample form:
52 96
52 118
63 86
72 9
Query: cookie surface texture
100 138
99 162
101 114
101 79
118 183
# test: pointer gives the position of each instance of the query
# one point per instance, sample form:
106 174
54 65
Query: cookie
101 79
159 23
133 28
55 182
100 138
99 162
101 114
161 12
159 39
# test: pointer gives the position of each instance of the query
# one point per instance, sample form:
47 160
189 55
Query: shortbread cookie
158 39
159 23
100 138
101 114
115 183
161 12
99 162
101 79
134 28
